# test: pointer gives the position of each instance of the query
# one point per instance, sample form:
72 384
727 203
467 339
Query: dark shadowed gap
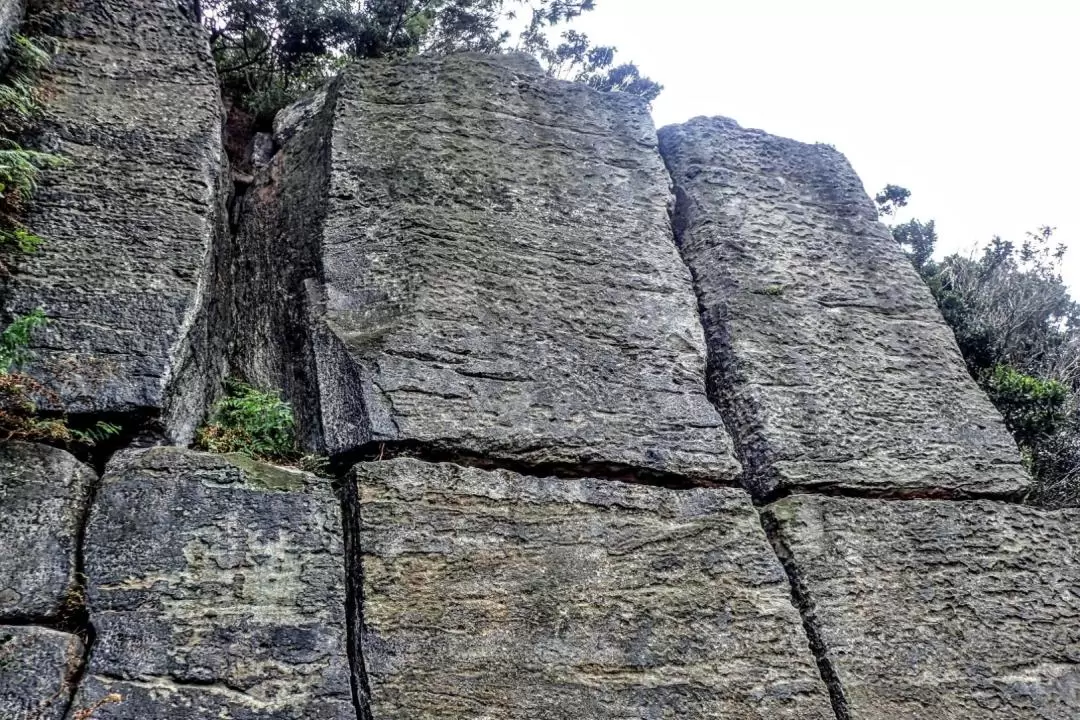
354 595
804 603
432 453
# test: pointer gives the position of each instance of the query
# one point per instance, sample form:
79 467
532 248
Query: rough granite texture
931 610
129 221
494 274
828 355
217 589
43 496
37 668
488 594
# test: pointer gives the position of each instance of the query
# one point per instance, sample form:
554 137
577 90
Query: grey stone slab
488 594
827 353
37 668
934 610
43 495
217 589
128 222
494 270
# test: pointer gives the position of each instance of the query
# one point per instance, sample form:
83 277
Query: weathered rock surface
43 495
217 589
934 610
37 667
827 353
11 12
128 222
488 594
496 273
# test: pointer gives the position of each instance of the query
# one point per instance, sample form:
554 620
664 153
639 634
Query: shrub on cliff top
251 421
269 53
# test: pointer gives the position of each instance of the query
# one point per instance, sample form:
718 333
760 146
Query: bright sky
971 104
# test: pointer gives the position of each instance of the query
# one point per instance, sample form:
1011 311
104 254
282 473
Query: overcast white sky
970 104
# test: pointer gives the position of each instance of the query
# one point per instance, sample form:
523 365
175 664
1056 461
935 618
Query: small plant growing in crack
251 421
20 418
20 167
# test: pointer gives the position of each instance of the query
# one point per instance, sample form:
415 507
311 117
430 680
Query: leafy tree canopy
271 51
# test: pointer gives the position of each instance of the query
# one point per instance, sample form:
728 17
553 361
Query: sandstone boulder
828 355
37 667
129 220
491 271
932 610
488 594
217 589
43 496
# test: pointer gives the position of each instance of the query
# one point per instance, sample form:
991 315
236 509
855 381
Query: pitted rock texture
37 668
488 594
497 275
43 496
11 12
931 610
828 356
128 222
217 589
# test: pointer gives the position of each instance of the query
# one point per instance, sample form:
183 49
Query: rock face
827 353
931 610
217 590
129 221
37 669
498 274
10 15
490 594
43 496
463 259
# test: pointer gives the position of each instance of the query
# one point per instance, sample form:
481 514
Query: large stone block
217 589
933 610
496 273
128 222
488 594
37 668
827 352
43 496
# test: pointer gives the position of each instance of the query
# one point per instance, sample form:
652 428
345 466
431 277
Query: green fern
248 420
99 432
15 339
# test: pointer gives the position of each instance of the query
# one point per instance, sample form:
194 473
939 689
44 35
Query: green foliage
96 433
254 422
892 198
15 339
20 105
270 53
1019 333
1033 408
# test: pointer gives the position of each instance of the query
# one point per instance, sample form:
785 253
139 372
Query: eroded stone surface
496 273
37 667
492 595
134 107
217 589
932 610
10 15
43 494
827 353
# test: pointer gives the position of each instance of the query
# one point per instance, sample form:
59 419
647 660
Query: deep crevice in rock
804 603
354 596
433 453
